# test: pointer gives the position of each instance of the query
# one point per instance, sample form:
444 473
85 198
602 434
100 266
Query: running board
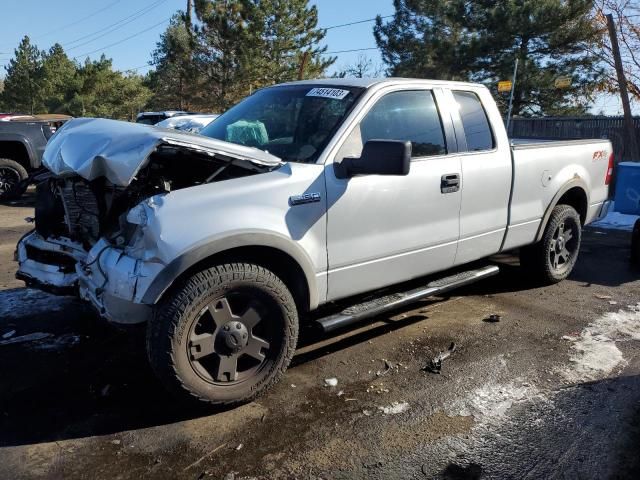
377 306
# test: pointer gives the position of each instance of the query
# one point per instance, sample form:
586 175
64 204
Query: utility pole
632 141
513 89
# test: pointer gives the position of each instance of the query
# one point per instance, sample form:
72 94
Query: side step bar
377 306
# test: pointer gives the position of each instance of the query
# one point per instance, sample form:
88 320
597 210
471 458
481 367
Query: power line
113 27
123 40
326 53
351 50
113 4
354 23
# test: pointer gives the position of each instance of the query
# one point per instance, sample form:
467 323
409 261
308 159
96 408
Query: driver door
384 229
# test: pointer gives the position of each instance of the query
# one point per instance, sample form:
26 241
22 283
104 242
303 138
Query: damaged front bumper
106 276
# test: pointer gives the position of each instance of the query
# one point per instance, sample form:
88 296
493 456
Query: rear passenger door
486 175
385 229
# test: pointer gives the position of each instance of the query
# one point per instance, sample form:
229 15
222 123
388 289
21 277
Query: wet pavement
552 390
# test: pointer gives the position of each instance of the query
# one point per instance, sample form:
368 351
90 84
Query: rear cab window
477 129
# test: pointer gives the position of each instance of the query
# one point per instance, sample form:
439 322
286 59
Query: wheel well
277 261
576 198
15 151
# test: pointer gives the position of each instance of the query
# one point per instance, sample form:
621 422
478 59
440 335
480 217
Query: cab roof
370 82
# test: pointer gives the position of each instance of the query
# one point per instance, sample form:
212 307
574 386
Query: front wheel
552 259
225 335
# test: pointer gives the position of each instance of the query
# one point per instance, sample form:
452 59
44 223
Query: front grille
67 208
82 213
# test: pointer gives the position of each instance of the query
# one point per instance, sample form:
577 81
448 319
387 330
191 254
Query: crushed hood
116 150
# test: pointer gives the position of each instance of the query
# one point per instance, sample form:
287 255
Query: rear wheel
225 336
552 259
12 175
635 245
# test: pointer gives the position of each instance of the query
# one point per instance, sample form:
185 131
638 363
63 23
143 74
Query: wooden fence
566 128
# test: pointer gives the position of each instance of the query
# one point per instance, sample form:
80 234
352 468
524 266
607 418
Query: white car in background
188 123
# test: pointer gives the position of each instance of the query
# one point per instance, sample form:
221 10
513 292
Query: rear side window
406 115
474 121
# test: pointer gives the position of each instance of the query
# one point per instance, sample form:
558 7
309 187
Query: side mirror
379 157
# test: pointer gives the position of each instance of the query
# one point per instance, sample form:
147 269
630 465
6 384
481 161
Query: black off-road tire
168 333
537 260
12 176
635 245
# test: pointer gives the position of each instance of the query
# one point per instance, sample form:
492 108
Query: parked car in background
332 192
188 123
22 141
151 118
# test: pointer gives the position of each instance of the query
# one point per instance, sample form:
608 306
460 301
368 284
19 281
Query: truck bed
540 172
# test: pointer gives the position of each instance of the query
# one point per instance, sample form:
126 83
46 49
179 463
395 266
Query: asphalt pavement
551 390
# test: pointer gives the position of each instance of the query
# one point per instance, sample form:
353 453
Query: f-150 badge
304 198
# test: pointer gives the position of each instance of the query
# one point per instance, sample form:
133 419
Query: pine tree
224 51
286 41
59 79
22 84
175 79
480 40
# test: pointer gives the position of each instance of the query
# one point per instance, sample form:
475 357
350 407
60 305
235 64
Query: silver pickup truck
300 204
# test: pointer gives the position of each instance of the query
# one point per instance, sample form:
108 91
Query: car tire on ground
635 245
12 175
225 335
552 259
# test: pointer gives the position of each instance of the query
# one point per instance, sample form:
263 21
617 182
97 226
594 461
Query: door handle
450 183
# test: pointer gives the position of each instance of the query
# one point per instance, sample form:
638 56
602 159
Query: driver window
405 115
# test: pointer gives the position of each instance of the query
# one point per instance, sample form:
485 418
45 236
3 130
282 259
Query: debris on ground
612 302
603 297
377 388
388 366
9 334
30 337
493 318
203 457
435 365
395 408
239 447
340 393
116 442
331 382
58 343
366 413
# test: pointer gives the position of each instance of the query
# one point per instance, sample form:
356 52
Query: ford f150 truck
327 201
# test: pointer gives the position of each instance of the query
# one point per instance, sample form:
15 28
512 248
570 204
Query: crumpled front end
106 276
91 210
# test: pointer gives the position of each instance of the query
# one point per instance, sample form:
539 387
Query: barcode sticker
324 92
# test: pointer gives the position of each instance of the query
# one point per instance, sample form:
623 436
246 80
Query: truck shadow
70 375
81 377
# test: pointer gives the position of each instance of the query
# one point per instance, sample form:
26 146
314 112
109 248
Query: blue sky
104 26
72 23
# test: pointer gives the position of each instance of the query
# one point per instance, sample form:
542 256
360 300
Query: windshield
291 122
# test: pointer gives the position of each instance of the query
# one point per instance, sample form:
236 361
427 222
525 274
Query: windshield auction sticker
335 93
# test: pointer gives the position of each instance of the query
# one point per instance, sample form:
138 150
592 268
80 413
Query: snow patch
395 408
594 353
493 400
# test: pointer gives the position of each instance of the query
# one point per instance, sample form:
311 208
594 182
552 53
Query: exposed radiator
82 214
